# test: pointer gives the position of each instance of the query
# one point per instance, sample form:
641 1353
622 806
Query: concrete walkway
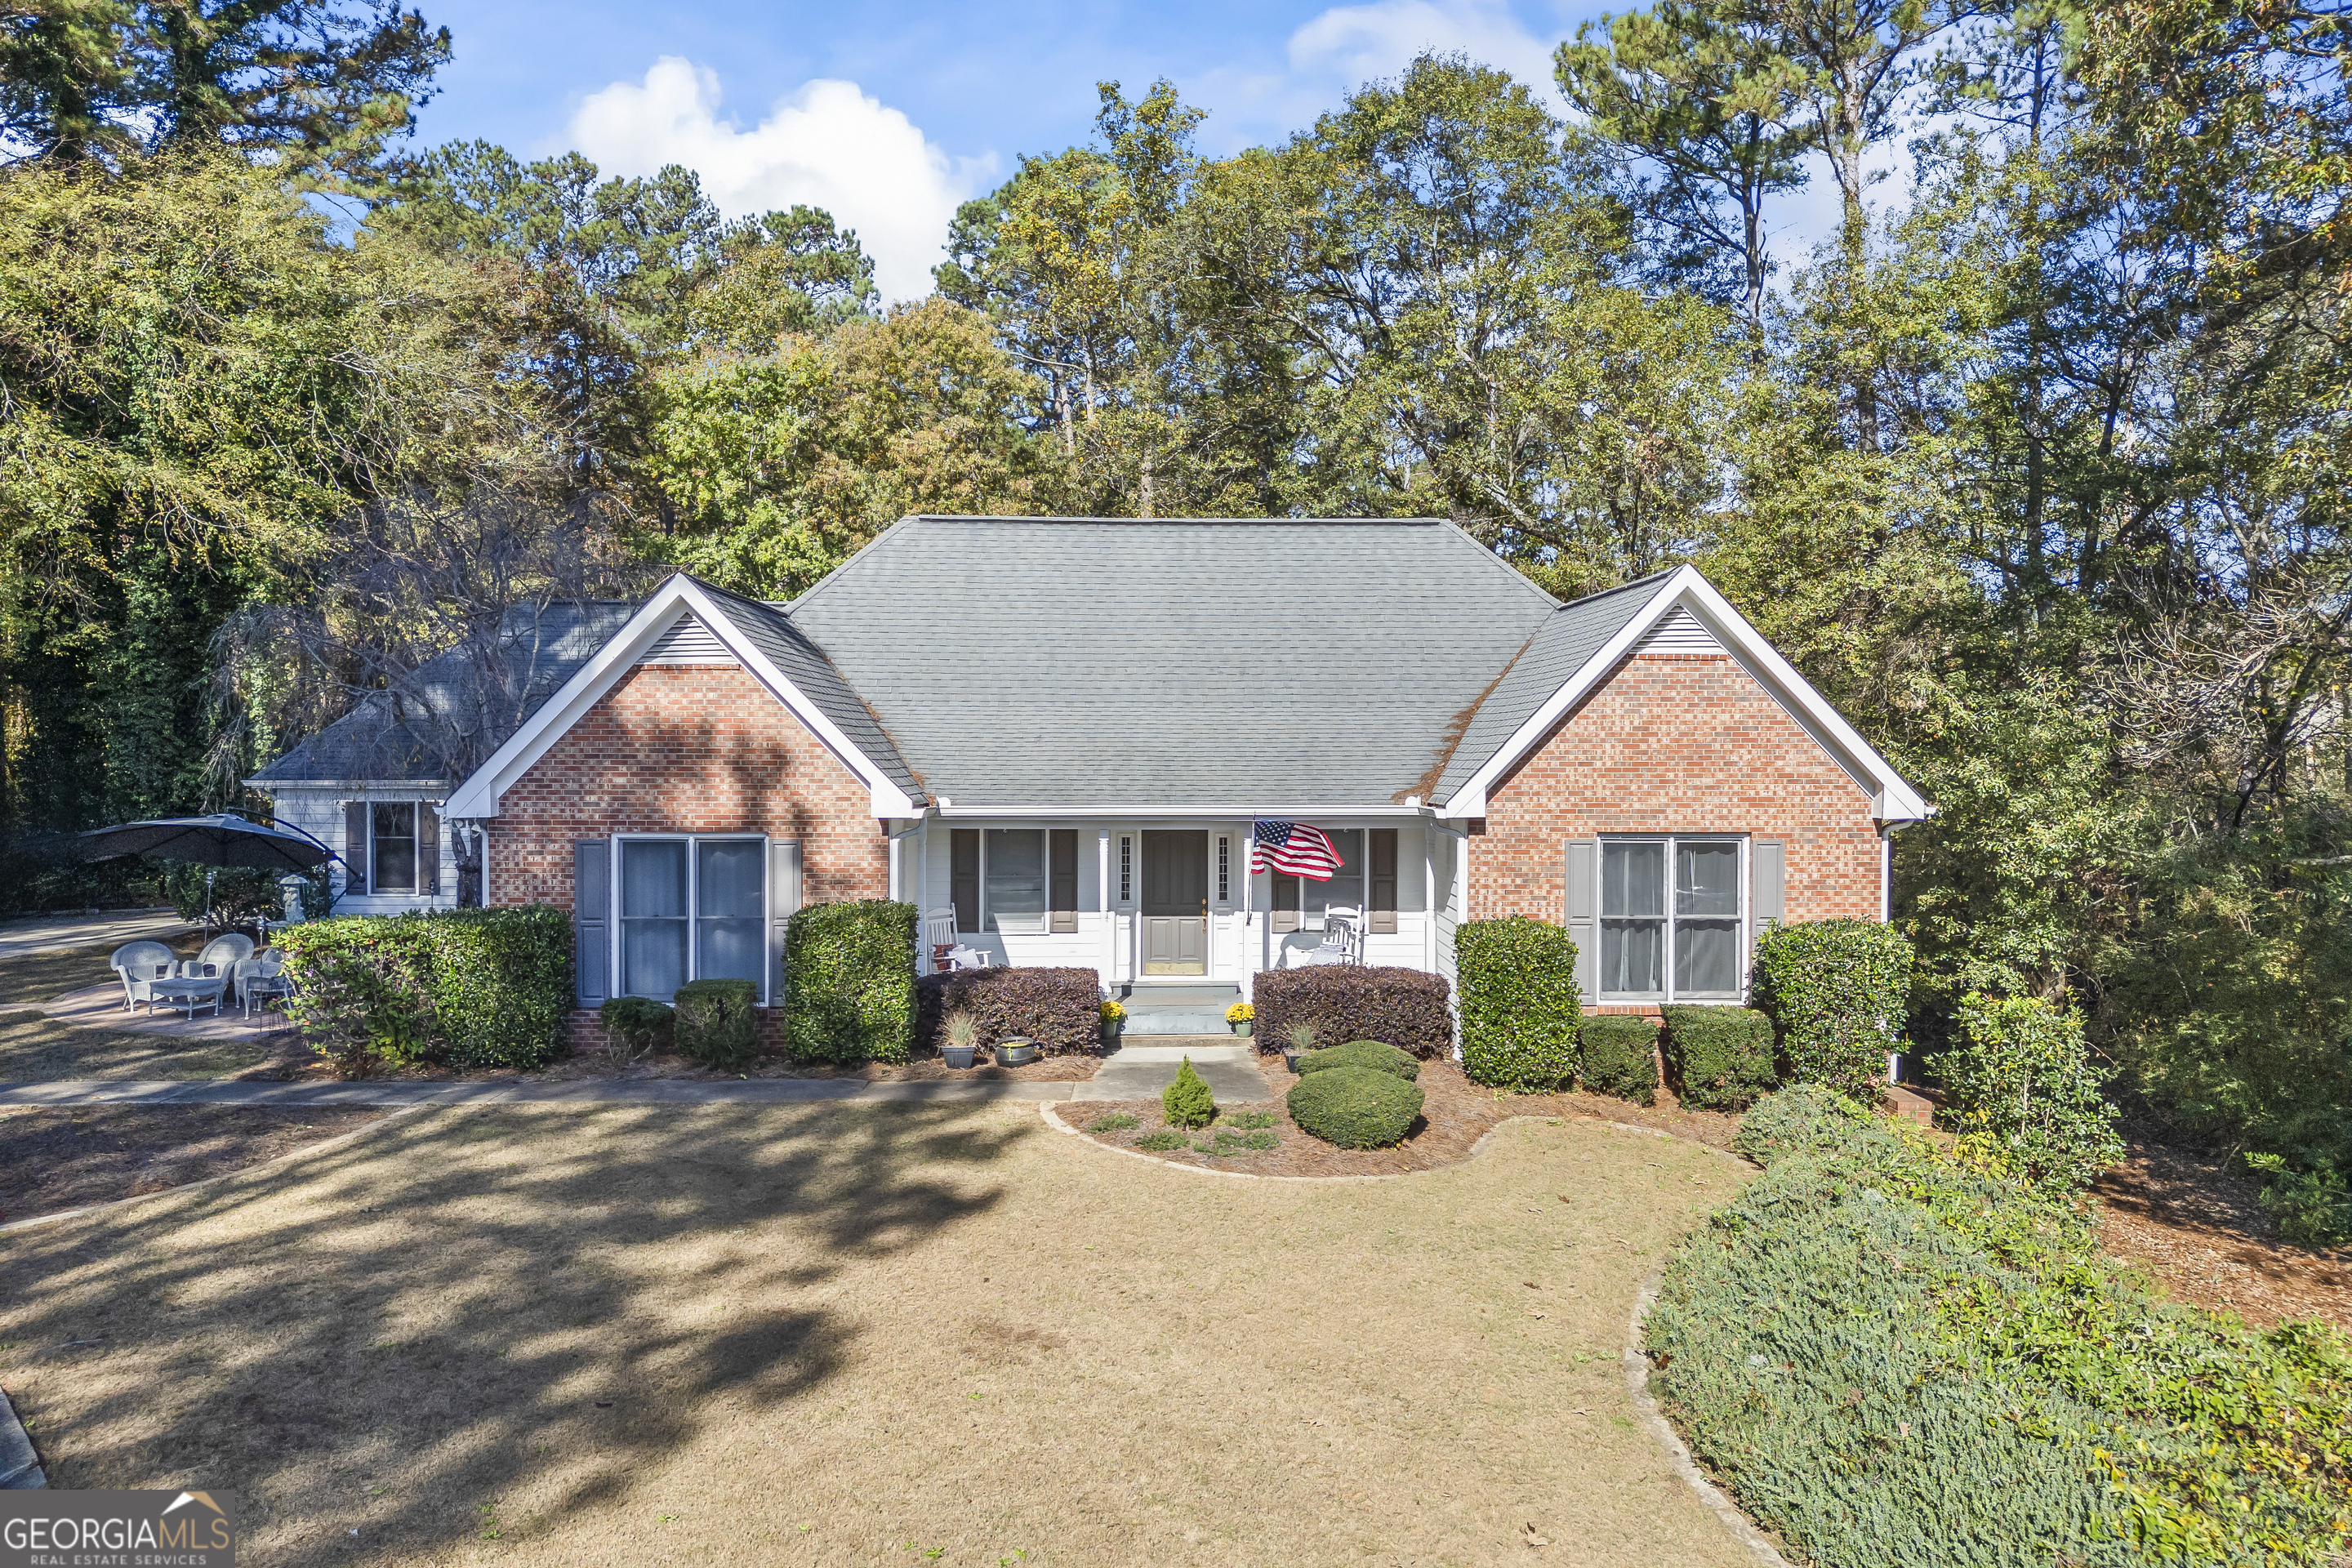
585 1091
63 933
1146 1065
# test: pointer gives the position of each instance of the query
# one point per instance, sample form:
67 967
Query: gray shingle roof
448 697
1025 661
1561 646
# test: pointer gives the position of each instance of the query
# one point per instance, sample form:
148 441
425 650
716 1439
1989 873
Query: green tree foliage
1836 990
2025 1094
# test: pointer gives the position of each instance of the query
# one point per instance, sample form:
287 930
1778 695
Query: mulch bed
2194 1221
1455 1113
71 1157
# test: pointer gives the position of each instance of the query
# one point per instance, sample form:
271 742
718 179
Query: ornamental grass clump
1377 1055
1187 1101
1894 1356
1355 1108
1521 1003
2022 1092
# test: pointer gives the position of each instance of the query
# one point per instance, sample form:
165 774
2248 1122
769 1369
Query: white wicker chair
261 978
220 957
141 964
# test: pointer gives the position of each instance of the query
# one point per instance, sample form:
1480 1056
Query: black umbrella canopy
220 840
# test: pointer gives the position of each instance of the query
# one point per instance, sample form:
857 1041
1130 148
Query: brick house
1059 738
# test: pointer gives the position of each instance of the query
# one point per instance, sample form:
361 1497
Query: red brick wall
1682 741
680 749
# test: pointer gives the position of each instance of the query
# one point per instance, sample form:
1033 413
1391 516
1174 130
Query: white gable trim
1688 595
480 794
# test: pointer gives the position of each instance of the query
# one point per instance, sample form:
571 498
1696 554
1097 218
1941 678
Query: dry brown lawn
870 1334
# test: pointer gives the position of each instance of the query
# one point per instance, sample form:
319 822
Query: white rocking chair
1343 939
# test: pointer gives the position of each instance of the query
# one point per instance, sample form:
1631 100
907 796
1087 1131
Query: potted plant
963 1044
1300 1041
1114 1019
1242 1016
1015 1051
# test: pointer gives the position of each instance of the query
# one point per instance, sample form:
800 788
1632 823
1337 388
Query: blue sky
888 115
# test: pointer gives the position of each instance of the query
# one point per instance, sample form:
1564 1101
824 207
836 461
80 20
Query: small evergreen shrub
1355 1108
2023 1091
638 1023
1805 1116
1061 1011
1354 1002
1619 1055
1720 1058
1117 1122
1835 990
849 982
1520 1005
717 1021
1187 1101
1163 1141
472 987
1374 1054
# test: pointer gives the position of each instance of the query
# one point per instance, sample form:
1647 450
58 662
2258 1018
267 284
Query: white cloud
1357 43
830 145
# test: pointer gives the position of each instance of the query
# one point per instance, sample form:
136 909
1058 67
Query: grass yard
857 1334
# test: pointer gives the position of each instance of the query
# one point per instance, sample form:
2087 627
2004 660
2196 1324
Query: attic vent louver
1680 632
687 642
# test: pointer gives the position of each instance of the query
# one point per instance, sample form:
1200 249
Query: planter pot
1244 1026
960 1056
1111 1036
1290 1059
1013 1053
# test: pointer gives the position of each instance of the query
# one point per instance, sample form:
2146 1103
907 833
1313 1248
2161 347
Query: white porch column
1102 906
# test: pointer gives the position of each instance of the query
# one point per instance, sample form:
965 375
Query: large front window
1686 927
691 909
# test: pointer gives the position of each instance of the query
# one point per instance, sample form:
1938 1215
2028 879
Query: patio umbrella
216 841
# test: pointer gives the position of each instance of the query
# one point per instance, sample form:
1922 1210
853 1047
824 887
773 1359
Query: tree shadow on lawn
475 1306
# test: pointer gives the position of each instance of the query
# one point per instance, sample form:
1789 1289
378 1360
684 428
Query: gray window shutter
428 850
355 846
1062 876
592 915
1769 873
963 876
1580 865
783 902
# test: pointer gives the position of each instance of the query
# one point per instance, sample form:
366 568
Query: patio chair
969 958
940 933
262 978
1343 939
220 957
140 963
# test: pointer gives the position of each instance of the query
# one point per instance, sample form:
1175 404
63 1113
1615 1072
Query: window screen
1016 876
395 861
727 913
653 917
1347 884
1706 919
1633 918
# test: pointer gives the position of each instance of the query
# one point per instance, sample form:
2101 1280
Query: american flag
1294 850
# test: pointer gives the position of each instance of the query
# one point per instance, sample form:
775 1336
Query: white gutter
1140 813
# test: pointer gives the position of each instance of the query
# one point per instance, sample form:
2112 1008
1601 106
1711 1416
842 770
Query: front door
1176 904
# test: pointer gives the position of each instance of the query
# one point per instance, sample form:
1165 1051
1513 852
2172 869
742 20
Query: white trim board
1892 799
480 794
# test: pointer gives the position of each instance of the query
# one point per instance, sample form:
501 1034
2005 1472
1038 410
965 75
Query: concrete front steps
1165 1009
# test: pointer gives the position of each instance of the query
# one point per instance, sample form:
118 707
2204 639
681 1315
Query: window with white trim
1672 938
691 908
392 849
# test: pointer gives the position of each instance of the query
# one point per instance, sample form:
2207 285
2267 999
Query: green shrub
1520 1005
1163 1141
1835 990
1619 1052
1377 1055
1187 1101
2313 1208
1353 1002
638 1023
849 982
1893 1358
2023 1091
1058 1010
222 898
1117 1122
1720 1058
1355 1108
473 987
1248 1120
717 1021
1805 1116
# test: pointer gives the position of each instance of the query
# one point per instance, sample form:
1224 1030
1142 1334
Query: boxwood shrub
1061 1009
1351 1002
1719 1058
717 1021
1835 990
849 982
1892 1357
1355 1108
1619 1052
471 988
1373 1054
1520 1005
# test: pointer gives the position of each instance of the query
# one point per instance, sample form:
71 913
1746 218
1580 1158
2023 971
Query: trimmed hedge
1521 1003
1355 1108
849 982
1374 1054
2023 1092
1836 990
471 988
639 1023
1060 1009
717 1021
1350 1002
1720 1059
1620 1057
1892 1357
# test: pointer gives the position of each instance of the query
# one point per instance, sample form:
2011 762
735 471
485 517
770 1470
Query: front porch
1168 913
